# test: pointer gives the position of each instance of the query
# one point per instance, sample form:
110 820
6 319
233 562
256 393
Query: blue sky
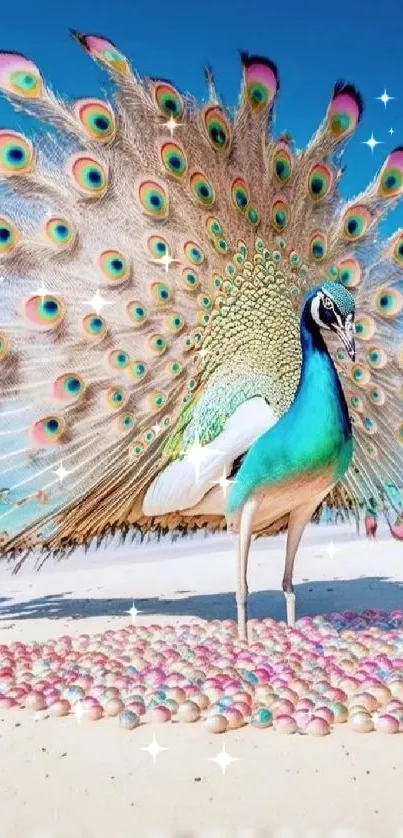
314 43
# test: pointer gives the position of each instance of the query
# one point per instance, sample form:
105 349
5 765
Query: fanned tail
155 256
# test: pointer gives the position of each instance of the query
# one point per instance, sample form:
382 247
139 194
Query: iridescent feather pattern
156 255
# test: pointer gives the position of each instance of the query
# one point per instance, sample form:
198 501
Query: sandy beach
60 778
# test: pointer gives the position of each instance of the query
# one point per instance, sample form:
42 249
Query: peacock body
169 272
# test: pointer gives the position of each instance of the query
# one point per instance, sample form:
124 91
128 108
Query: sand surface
64 779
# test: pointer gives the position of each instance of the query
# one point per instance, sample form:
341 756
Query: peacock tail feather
156 253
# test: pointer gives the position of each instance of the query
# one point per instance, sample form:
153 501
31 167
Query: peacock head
332 307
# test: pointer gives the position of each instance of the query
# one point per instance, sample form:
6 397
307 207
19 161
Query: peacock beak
346 336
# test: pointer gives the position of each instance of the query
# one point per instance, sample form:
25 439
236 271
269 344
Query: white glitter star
154 749
172 124
331 550
223 482
78 711
156 428
223 759
133 611
372 142
62 472
385 98
391 131
97 303
165 260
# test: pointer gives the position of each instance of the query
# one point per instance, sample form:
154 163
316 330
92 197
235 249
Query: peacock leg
243 545
296 524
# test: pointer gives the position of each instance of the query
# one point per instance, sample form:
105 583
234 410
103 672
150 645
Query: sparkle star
223 482
154 749
97 303
223 759
372 142
62 472
331 550
385 98
156 428
133 611
172 124
391 131
165 260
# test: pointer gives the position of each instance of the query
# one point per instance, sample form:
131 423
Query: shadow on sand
312 598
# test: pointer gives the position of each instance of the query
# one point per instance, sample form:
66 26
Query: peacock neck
319 380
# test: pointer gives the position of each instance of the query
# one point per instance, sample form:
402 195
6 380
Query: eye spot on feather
213 227
9 236
364 327
370 425
175 323
252 216
94 327
96 118
16 154
282 164
118 359
115 266
377 357
389 302
356 403
149 437
356 222
116 398
344 112
398 250
190 279
318 247
194 253
136 312
69 388
217 128
48 431
349 272
280 214
161 293
59 232
105 51
136 450
158 247
157 400
19 76
157 344
126 422
43 313
261 83
391 177
360 375
4 347
240 194
89 175
320 181
202 189
377 396
371 450
174 368
153 198
137 370
173 159
168 100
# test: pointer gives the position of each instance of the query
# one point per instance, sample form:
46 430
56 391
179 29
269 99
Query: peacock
196 330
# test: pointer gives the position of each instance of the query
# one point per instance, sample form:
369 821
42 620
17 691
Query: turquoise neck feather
314 435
